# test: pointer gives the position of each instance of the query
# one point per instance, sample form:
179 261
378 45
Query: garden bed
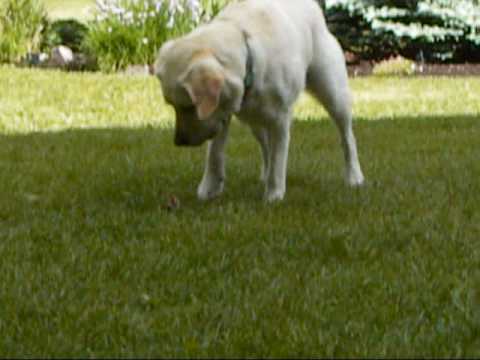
365 68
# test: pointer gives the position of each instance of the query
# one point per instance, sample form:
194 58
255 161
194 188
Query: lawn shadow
86 251
141 166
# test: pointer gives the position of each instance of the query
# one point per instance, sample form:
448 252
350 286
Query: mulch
365 68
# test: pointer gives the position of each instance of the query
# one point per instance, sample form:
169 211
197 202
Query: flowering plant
127 32
139 11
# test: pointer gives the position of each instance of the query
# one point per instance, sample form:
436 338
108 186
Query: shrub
131 31
21 25
431 30
67 32
398 66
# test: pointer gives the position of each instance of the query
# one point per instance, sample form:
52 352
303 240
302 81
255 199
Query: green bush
397 66
69 32
21 25
431 30
128 32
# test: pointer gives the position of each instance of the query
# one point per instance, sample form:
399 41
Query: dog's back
255 12
284 38
281 23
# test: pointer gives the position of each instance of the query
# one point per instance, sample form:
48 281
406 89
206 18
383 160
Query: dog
253 60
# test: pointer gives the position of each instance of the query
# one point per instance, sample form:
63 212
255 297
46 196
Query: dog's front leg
279 139
213 180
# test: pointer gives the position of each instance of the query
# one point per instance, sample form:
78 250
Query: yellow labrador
253 61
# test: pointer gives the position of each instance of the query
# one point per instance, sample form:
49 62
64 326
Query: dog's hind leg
278 144
274 142
261 134
327 80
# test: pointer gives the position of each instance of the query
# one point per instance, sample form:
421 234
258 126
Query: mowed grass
77 9
67 9
93 264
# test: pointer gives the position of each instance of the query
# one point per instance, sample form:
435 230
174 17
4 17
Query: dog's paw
210 188
355 179
274 196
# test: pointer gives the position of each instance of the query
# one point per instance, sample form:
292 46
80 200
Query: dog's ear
158 67
204 91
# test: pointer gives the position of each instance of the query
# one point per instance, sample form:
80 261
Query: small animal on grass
253 61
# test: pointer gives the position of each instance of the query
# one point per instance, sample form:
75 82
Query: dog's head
195 84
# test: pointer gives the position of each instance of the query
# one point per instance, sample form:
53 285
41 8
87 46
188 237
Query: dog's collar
249 73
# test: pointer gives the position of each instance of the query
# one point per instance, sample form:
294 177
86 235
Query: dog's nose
181 140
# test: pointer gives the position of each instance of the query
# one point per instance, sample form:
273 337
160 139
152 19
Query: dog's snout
181 140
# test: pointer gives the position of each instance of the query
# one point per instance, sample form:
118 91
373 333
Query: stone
61 56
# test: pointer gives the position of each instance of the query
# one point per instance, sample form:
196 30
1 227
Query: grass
76 9
61 9
94 265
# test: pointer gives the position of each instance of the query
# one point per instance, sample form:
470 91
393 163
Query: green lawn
93 264
78 9
64 9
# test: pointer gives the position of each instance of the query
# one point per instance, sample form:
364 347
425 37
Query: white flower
158 5
129 11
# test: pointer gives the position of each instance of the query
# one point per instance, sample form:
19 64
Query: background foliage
430 30
21 25
131 32
118 33
68 32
